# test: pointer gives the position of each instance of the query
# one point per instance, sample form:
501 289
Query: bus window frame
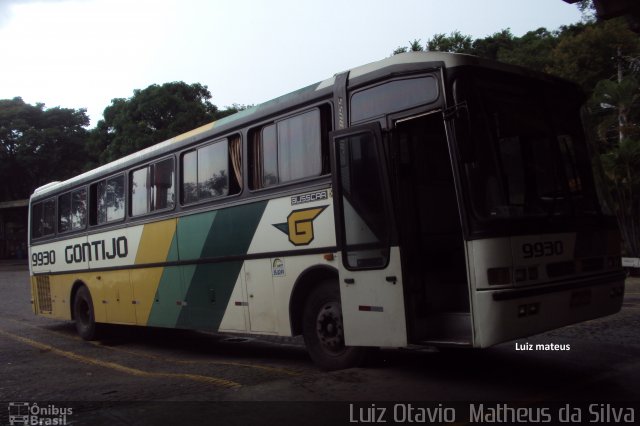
130 172
432 104
325 110
70 192
53 234
194 148
375 130
93 198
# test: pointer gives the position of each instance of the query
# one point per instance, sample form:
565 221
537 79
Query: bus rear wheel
84 315
323 330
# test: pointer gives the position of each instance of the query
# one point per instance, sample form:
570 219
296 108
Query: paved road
44 360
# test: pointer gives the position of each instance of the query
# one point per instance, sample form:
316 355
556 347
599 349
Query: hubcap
329 327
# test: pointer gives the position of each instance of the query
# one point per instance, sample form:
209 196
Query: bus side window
79 209
212 171
43 218
107 200
72 210
139 188
291 149
152 187
162 185
64 212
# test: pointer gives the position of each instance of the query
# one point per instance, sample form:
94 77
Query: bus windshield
529 154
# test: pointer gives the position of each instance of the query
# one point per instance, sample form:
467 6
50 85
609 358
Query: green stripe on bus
209 286
166 307
172 256
196 296
193 232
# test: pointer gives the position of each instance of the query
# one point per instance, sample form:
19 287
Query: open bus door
370 274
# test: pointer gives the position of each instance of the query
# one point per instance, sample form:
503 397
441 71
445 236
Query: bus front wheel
84 315
323 330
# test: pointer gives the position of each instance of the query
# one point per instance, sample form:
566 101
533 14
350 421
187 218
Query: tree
491 46
38 145
615 108
532 50
455 42
414 46
590 55
614 103
153 115
621 165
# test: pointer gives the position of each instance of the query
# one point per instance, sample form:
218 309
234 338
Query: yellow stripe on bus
154 246
155 242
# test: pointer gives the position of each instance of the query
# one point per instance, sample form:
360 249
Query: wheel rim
329 328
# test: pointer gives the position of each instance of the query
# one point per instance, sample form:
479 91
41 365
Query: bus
427 199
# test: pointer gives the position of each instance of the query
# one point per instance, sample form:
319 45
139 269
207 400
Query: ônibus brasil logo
26 413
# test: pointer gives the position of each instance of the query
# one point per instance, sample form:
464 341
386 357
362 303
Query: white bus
425 199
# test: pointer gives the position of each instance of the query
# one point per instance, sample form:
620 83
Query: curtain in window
256 172
235 152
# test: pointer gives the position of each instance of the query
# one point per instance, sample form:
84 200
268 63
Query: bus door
429 230
370 275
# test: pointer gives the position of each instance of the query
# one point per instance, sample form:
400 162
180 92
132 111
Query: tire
323 330
84 315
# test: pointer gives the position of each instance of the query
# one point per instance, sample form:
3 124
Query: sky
84 53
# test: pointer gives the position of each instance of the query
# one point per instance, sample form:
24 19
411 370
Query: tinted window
269 156
72 210
152 188
213 170
79 209
392 97
162 188
190 177
363 214
109 195
140 192
64 213
205 172
43 218
299 154
289 150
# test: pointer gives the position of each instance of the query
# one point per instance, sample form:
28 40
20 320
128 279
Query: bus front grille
44 294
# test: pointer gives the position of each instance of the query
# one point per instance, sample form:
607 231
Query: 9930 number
43 258
542 249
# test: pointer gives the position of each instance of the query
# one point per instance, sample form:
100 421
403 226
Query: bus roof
410 61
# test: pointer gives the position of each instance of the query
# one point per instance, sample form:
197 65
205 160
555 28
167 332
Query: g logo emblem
299 225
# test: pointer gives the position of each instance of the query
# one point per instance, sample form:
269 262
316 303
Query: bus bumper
508 314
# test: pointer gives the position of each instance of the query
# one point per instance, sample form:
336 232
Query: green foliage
491 46
455 42
38 145
414 46
615 111
621 165
614 104
589 55
152 115
532 50
400 49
